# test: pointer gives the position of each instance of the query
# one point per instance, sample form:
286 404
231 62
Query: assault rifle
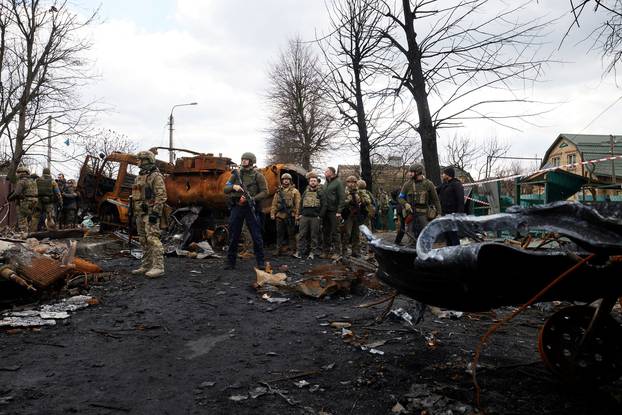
283 206
247 196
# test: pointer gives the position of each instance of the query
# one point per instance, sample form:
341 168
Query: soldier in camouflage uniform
49 198
383 209
369 210
357 205
285 205
417 195
312 208
254 182
148 198
70 204
26 195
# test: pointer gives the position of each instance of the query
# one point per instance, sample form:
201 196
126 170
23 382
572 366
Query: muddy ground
202 341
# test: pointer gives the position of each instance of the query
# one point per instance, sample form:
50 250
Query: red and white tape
516 176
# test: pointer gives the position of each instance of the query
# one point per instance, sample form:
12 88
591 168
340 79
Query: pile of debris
318 282
37 266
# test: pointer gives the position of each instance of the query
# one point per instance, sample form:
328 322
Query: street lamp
171 153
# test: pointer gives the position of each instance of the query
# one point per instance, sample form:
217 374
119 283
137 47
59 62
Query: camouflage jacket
149 193
291 196
420 194
26 188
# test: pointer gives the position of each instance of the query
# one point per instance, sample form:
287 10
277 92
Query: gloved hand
154 218
408 210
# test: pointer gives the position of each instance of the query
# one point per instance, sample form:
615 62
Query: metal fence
8 215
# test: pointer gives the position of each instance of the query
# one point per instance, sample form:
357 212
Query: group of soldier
327 215
42 202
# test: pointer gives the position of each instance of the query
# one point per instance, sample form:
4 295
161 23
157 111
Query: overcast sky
151 55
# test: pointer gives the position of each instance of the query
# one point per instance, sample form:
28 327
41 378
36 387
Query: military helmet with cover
145 158
361 184
351 179
417 168
286 176
46 170
250 157
23 170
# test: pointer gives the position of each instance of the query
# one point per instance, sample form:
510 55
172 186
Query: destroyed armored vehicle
560 251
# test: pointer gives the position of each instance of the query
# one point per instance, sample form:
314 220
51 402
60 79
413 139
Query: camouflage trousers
69 218
27 217
149 238
350 235
48 211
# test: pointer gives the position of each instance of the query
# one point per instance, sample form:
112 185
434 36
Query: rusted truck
197 205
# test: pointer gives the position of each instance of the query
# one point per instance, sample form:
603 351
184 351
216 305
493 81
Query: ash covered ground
202 341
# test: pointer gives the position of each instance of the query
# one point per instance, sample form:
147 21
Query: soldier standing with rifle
285 205
245 187
148 199
26 194
49 197
417 197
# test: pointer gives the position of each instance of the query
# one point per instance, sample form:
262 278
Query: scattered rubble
47 314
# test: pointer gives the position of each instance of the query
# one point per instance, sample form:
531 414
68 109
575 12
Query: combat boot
154 273
140 270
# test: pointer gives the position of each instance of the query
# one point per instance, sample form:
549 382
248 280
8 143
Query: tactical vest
45 189
249 180
30 187
311 199
287 195
417 194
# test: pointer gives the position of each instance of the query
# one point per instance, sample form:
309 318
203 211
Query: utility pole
50 143
171 153
612 143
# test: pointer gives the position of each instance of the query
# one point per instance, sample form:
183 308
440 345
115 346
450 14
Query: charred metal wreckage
579 342
197 206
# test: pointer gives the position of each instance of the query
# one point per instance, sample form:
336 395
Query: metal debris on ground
47 314
37 265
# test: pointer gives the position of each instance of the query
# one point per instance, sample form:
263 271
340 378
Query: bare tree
461 152
492 149
458 60
103 143
301 117
608 35
42 68
356 55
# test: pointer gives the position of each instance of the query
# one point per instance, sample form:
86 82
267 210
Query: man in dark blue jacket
451 194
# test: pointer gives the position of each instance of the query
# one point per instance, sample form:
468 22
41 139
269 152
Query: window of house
571 159
555 161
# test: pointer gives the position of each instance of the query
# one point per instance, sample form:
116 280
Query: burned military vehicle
196 207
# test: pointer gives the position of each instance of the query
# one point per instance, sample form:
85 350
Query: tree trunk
417 86
361 123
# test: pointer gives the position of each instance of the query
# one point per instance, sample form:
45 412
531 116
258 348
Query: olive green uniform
149 197
334 192
312 208
285 207
26 195
49 197
358 203
420 195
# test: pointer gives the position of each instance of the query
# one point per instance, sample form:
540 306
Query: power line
604 111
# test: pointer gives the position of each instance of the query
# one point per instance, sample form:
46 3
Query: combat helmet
351 179
361 184
250 157
286 176
417 168
46 170
146 156
23 170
